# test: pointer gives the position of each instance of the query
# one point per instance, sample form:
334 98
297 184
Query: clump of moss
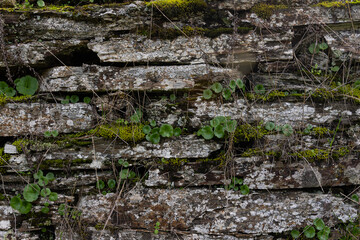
349 91
4 158
320 131
329 4
273 95
264 10
174 162
322 93
250 152
20 143
247 133
313 155
5 99
126 132
178 8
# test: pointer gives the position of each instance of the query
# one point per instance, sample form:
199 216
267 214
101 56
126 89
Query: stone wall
154 62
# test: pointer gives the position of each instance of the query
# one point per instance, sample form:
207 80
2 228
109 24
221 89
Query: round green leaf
155 130
31 192
45 210
100 184
39 174
207 132
41 3
221 119
335 68
27 85
323 235
295 234
16 202
172 97
124 174
87 100
53 196
74 98
146 129
219 131
309 232
154 138
43 181
244 189
240 84
323 46
177 132
153 123
313 48
259 89
50 176
319 224
278 128
230 126
226 94
3 86
287 130
166 130
54 133
214 122
65 101
207 94
47 134
355 197
126 164
46 204
9 92
232 85
270 126
25 207
111 183
217 87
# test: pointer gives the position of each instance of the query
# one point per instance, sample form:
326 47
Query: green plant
87 100
217 87
355 197
26 85
111 184
74 98
31 193
136 118
318 229
6 90
238 184
172 97
308 128
40 3
53 133
287 130
157 227
259 89
270 126
154 134
207 94
218 127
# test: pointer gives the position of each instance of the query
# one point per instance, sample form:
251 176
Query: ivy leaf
26 85
207 94
217 87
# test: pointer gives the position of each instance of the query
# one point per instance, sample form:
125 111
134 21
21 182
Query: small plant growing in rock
218 127
287 130
318 229
259 89
157 227
154 134
32 192
136 118
26 85
238 184
111 184
53 133
217 88
6 90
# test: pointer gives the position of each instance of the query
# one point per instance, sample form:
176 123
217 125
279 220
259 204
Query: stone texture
235 48
36 118
96 78
204 211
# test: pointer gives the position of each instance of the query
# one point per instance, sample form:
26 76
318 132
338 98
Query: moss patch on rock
130 133
178 8
264 10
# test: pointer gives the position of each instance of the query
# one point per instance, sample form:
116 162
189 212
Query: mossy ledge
4 99
178 8
130 133
3 159
264 10
316 154
330 4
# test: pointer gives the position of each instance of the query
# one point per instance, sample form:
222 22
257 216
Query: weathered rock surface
36 118
216 211
96 78
235 48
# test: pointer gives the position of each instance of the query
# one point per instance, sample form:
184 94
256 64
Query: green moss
313 155
320 131
323 94
174 162
20 143
349 92
250 152
4 99
247 133
2 197
329 4
128 133
264 10
4 158
178 8
270 96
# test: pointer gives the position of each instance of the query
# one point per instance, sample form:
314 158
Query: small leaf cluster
26 86
111 184
285 129
219 127
74 99
318 229
259 89
53 133
226 92
63 210
154 134
125 173
157 227
238 184
137 116
32 192
315 48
